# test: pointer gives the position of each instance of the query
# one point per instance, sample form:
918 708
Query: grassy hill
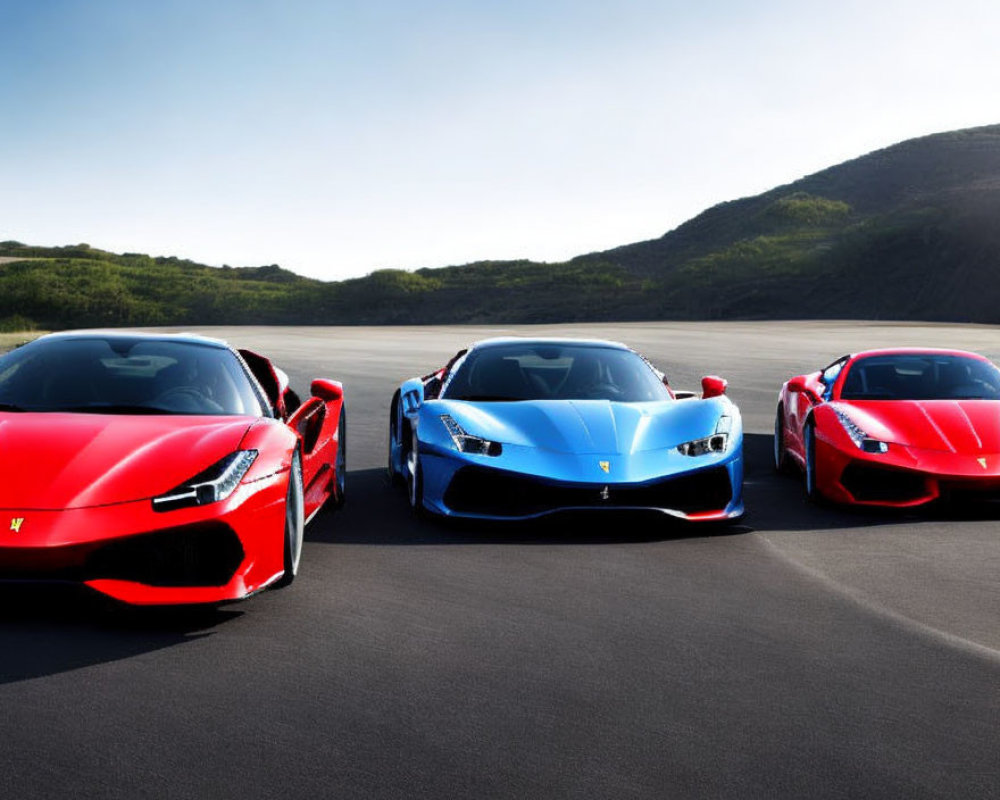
908 232
80 286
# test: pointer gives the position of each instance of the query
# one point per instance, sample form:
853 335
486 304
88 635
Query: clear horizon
336 138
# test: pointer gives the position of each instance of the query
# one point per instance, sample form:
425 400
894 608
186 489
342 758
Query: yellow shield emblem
16 523
982 462
605 465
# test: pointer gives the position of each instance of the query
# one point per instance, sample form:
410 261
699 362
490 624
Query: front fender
274 443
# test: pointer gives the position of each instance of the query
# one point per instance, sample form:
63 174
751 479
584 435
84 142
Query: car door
314 421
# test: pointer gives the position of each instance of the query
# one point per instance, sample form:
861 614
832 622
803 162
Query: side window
829 376
451 369
262 370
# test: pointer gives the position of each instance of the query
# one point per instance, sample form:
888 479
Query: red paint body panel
76 495
951 426
936 447
57 541
56 460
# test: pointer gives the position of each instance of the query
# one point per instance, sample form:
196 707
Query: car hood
952 426
588 426
58 460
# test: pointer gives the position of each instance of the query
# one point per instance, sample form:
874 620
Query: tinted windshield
921 377
543 371
124 375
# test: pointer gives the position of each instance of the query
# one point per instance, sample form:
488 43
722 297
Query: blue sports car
519 428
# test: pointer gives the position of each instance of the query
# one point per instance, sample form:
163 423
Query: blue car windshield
921 376
126 375
547 371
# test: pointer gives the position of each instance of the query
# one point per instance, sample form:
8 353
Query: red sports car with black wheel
159 468
899 428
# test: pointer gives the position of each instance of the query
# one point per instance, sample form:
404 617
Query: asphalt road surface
808 653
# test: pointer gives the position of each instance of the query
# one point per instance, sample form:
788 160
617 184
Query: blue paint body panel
583 454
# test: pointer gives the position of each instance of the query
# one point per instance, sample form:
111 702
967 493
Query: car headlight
467 443
860 438
214 484
716 443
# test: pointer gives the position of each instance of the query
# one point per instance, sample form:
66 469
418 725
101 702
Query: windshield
545 371
125 375
921 376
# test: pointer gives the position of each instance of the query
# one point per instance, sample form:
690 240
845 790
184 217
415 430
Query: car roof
546 340
905 351
96 333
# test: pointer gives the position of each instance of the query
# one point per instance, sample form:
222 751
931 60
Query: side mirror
713 386
327 390
411 395
307 421
798 385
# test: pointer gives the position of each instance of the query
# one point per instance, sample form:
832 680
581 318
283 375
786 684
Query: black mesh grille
475 490
44 563
195 555
205 554
878 485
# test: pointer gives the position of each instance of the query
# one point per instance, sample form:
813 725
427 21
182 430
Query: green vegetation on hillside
68 287
908 232
80 286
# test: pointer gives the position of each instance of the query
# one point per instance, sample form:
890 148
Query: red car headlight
861 439
213 484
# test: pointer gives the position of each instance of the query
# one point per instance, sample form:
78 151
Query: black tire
809 441
390 469
395 478
780 454
340 495
415 479
294 522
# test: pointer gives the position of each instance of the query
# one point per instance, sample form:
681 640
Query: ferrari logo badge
982 462
605 465
605 494
16 523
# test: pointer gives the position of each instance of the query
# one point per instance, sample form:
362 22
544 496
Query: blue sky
336 138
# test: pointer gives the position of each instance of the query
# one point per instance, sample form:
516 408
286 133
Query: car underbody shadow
378 513
51 628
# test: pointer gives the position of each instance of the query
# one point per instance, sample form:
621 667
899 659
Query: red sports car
160 468
894 427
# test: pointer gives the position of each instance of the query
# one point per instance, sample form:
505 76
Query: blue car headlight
467 443
215 483
716 443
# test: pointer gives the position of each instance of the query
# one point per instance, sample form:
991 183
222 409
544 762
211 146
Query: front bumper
205 554
904 476
458 487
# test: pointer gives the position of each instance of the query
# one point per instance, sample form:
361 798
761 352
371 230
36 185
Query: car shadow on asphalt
378 513
47 629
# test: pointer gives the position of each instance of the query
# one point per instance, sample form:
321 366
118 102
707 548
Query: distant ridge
907 232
